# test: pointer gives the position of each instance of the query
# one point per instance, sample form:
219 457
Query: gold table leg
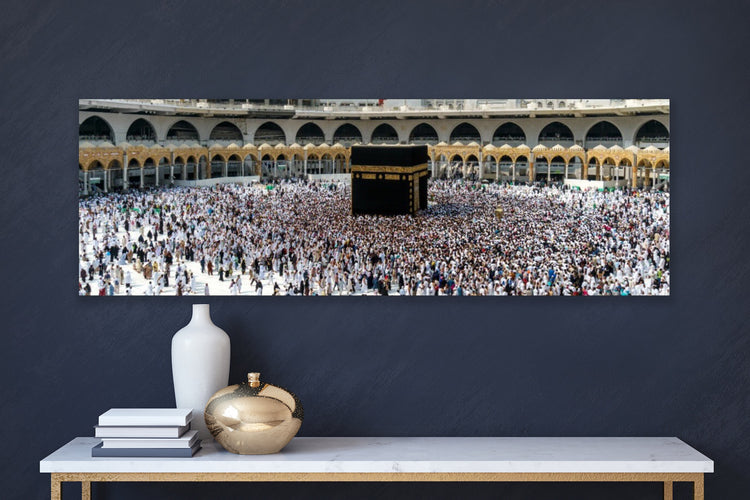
699 492
55 490
668 490
85 490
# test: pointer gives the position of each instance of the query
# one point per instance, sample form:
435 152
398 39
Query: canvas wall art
374 197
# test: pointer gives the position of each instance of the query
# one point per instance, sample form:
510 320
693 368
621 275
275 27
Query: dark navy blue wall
366 366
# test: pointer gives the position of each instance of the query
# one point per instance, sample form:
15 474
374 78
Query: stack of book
146 432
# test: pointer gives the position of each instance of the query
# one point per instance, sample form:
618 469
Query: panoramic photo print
401 197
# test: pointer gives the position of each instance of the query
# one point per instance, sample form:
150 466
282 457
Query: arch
347 134
424 133
384 133
95 165
556 133
520 167
234 166
250 165
179 167
605 133
339 164
95 128
310 133
141 130
225 131
644 162
557 167
466 133
489 164
117 164
216 168
508 133
183 131
113 179
148 172
96 176
608 170
575 168
652 133
270 133
593 169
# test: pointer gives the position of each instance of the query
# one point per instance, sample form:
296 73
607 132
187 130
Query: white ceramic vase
200 365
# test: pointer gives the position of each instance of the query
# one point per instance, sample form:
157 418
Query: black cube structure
389 180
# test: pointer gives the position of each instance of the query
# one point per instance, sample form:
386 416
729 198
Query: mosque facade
140 143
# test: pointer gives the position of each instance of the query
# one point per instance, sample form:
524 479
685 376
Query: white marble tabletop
412 455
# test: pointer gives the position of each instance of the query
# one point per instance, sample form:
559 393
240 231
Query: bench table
664 460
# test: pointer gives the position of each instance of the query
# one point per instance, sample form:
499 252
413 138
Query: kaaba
389 180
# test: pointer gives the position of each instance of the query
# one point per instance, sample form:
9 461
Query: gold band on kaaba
390 169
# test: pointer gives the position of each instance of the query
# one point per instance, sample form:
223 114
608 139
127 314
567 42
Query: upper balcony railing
387 107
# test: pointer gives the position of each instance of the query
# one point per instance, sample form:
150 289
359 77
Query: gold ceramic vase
253 418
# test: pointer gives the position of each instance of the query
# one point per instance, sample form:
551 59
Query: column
171 173
566 171
142 177
275 169
106 180
226 168
497 171
463 168
549 171
125 172
634 176
157 170
481 166
304 166
513 168
86 182
530 171
432 167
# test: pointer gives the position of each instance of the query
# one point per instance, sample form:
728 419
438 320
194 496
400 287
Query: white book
146 416
186 441
138 431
